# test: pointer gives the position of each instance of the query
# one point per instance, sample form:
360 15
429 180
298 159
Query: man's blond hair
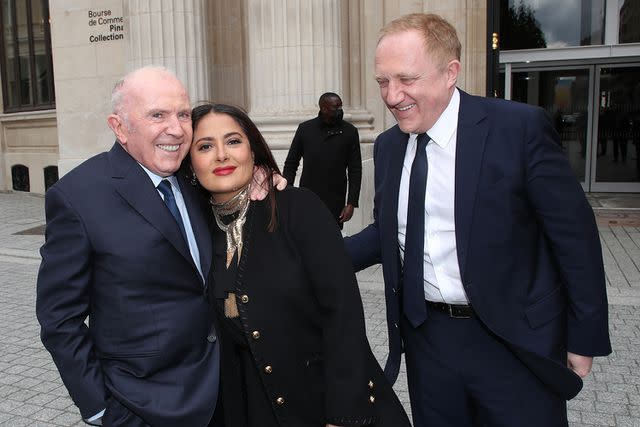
440 38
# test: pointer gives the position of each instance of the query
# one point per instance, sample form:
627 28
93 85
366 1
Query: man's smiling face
415 88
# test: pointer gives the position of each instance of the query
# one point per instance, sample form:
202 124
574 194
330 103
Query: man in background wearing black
330 146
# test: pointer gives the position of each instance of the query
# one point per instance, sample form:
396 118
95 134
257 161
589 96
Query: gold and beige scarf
230 217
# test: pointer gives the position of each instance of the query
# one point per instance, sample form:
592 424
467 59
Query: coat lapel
135 187
199 223
472 133
396 147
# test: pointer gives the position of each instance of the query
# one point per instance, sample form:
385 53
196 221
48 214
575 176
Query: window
25 55
20 177
629 31
50 176
532 24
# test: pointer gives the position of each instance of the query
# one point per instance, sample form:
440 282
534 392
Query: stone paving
32 394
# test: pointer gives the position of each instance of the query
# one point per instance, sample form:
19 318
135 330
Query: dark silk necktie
413 269
170 201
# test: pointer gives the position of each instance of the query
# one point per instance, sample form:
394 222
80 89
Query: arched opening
20 177
50 176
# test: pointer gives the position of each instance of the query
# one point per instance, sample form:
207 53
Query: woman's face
221 156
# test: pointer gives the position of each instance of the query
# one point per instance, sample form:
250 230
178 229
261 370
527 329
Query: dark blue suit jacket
114 253
527 242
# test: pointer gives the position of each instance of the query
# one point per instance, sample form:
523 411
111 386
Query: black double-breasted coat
301 326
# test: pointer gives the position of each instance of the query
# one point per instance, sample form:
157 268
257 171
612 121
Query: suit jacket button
244 299
280 401
211 338
268 369
372 399
255 335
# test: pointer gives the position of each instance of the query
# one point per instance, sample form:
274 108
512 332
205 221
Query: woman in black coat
293 346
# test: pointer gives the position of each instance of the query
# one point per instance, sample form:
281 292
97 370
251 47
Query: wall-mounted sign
110 27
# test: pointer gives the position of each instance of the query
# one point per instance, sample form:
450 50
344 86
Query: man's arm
364 248
293 158
63 304
570 228
354 171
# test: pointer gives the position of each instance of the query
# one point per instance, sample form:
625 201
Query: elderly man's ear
116 124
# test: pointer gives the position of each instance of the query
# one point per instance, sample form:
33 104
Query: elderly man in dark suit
492 263
128 246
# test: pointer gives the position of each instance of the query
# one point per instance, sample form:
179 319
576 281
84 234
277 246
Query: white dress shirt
442 281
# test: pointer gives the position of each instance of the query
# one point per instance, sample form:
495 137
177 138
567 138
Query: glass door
565 94
616 156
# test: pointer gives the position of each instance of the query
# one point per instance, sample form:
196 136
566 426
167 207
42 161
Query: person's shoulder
311 123
390 135
498 105
300 211
296 198
85 174
348 125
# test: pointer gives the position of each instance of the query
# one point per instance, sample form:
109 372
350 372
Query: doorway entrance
595 109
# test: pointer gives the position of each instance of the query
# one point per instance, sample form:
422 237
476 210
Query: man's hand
581 365
260 186
346 214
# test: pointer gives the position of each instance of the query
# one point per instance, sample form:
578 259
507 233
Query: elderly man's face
155 127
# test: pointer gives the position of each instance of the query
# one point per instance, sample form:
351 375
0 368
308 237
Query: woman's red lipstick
224 170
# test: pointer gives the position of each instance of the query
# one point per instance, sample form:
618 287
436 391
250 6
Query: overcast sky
560 20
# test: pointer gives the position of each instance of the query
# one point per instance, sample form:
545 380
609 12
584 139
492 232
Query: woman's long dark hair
262 155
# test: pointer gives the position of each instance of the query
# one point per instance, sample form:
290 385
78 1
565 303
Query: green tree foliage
519 28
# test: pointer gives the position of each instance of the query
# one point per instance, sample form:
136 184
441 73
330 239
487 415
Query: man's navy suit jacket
114 253
528 247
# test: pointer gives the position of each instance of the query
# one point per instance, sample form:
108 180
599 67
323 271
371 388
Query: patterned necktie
413 277
170 201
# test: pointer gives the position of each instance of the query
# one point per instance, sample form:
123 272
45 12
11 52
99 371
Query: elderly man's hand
260 185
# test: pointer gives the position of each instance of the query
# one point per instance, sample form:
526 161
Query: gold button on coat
371 385
268 369
255 335
244 299
280 401
372 399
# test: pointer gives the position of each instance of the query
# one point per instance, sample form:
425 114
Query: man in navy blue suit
128 247
492 263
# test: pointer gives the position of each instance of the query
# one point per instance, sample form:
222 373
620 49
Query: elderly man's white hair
117 94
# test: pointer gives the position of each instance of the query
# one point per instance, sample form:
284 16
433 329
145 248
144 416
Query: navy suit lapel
135 187
472 133
199 224
396 147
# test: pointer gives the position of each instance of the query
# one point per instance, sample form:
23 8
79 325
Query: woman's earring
193 180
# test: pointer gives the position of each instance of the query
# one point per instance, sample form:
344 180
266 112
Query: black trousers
461 375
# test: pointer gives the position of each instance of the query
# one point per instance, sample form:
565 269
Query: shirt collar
447 123
156 179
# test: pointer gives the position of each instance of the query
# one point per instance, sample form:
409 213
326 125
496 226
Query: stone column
469 17
170 33
294 55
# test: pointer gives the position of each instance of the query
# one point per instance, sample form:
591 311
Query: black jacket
330 154
302 316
